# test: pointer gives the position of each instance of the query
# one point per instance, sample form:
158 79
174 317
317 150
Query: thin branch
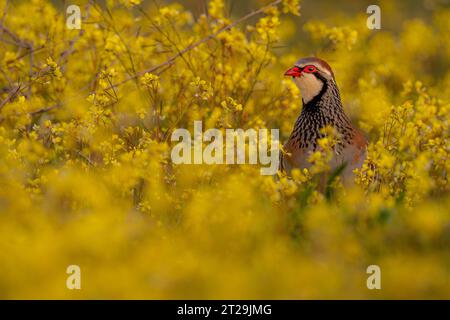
88 160
31 69
69 51
17 40
11 94
45 109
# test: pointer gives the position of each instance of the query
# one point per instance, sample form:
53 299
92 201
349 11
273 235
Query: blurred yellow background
85 171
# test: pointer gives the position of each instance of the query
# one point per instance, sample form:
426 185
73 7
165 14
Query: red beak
293 72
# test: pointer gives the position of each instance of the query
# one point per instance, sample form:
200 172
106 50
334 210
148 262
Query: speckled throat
323 110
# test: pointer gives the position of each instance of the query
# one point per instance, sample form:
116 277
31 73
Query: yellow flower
291 6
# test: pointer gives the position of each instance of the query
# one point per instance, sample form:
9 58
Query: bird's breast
350 155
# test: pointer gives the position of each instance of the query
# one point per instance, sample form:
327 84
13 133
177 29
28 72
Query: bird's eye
310 69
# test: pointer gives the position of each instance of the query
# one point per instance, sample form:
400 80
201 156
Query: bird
322 107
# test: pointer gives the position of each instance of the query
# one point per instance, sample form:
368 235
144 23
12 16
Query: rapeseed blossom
87 179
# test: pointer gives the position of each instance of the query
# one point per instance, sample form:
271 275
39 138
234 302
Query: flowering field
86 177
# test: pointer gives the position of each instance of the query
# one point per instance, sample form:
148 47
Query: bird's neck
325 109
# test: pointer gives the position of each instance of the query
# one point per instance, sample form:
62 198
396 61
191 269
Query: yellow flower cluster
87 179
231 104
291 6
150 81
203 89
335 36
411 157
